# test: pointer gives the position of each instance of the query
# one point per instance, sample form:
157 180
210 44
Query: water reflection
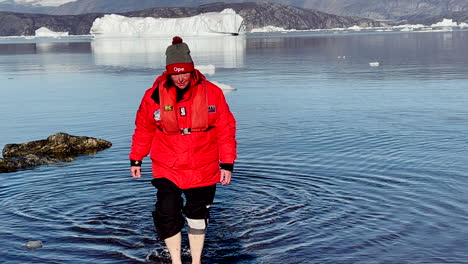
220 51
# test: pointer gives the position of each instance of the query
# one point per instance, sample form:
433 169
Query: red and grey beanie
178 59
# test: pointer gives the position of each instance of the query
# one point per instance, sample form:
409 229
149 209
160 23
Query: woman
186 125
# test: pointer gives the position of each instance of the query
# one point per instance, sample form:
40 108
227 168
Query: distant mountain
255 15
20 24
261 14
374 9
387 9
12 6
459 17
121 6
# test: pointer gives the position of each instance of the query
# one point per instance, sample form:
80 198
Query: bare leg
196 247
173 245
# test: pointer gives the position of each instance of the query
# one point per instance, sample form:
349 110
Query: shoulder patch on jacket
212 109
157 115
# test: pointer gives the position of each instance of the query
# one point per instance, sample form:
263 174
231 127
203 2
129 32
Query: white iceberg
206 69
226 88
355 28
445 23
374 64
268 29
45 32
213 23
408 27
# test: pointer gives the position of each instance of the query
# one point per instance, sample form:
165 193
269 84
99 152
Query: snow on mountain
43 2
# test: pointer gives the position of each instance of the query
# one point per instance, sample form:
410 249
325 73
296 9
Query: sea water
339 162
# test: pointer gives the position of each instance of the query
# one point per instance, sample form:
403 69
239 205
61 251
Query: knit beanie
178 58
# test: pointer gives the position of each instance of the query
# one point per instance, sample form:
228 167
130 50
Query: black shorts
169 213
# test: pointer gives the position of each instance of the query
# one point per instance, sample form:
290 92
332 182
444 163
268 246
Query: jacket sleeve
226 131
144 130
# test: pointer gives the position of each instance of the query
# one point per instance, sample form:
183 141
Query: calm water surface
339 162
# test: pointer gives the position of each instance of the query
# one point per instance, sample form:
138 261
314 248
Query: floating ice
213 23
268 29
406 29
374 64
206 69
355 28
45 32
34 244
226 88
408 26
445 23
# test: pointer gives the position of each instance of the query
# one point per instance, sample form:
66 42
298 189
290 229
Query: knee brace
197 226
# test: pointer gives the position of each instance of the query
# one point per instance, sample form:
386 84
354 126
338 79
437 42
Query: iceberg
355 28
445 23
213 23
408 27
226 88
45 32
268 29
209 69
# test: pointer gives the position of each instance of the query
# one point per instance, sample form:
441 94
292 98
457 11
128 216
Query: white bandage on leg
197 226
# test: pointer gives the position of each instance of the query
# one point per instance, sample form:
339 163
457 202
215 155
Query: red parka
188 160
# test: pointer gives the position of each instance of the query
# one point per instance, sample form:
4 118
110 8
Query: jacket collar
197 77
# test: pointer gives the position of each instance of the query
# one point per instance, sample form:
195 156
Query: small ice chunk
207 69
226 88
374 64
268 29
34 244
45 32
355 28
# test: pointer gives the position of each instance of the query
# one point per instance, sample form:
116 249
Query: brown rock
56 148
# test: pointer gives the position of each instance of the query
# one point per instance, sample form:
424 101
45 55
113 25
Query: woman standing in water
186 125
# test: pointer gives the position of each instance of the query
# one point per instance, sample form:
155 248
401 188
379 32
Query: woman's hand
136 171
225 178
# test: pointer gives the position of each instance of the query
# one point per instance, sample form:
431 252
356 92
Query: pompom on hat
178 59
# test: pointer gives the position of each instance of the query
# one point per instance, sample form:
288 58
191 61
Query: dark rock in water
5 166
56 148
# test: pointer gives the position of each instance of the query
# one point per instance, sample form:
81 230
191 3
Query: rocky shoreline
59 147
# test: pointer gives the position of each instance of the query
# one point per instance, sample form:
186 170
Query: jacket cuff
227 166
136 163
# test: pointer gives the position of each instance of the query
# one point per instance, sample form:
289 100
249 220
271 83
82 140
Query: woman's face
181 80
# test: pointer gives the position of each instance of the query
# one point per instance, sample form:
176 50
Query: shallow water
339 162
